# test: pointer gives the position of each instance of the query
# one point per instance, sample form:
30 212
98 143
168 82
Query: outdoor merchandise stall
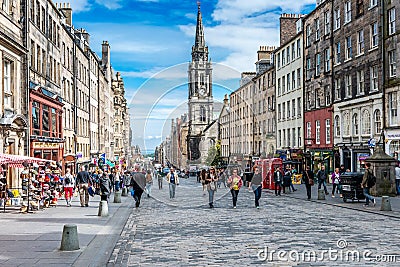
40 182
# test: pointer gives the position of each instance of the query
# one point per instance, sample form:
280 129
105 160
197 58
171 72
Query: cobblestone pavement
186 232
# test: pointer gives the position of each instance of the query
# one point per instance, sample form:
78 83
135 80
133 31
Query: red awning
16 161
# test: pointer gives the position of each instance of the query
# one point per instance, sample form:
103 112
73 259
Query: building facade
357 79
14 122
289 93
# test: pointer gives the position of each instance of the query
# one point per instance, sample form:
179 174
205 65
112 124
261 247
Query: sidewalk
337 201
33 239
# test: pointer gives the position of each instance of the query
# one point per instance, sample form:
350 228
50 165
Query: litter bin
351 186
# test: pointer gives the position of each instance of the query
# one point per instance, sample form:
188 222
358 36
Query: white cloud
80 5
114 4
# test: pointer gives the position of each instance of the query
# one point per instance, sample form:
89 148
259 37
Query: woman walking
308 179
255 185
105 186
336 182
211 180
149 182
235 183
69 185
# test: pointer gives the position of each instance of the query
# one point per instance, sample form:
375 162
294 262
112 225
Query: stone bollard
321 194
117 197
124 192
70 240
103 208
385 206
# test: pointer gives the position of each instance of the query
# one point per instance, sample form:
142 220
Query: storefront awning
17 161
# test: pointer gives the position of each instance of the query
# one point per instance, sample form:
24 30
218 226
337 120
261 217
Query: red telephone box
268 167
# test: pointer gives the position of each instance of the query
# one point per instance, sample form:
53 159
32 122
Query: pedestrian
173 180
160 179
321 176
287 177
105 186
255 185
308 179
222 178
235 183
211 180
397 175
111 177
149 182
83 180
293 172
203 175
138 183
278 178
342 169
117 180
366 184
336 182
69 186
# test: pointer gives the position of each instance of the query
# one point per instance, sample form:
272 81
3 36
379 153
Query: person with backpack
308 179
69 186
368 181
321 176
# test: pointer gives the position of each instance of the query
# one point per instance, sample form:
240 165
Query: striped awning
16 161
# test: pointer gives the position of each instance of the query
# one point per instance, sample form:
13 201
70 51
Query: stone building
264 117
45 101
241 118
14 123
289 90
318 65
358 82
224 134
120 108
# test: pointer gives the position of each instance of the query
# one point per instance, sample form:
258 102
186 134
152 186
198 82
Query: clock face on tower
202 91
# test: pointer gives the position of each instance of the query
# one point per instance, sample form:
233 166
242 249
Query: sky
151 42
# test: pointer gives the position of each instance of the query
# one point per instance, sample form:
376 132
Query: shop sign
44 145
393 136
79 155
371 142
363 156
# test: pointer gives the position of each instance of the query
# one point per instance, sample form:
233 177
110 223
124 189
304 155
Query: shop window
53 122
35 118
45 121
346 124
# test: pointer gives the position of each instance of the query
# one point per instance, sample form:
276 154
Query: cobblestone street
185 232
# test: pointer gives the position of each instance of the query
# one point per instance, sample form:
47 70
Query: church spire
199 42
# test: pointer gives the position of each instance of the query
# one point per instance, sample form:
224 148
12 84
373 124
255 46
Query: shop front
46 137
322 157
353 156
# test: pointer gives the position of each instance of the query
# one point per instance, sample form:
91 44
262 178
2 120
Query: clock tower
200 101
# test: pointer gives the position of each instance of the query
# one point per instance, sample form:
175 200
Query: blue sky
151 43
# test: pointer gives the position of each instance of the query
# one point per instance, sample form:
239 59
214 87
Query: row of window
290 137
290 109
355 126
44 64
46 121
288 54
289 82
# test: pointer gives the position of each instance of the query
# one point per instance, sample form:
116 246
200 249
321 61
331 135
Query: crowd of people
140 180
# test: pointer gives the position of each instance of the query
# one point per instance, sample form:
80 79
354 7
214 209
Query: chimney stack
66 9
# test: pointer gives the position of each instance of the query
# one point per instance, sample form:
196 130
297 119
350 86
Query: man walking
321 176
397 174
278 178
138 183
308 179
366 184
82 180
173 180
